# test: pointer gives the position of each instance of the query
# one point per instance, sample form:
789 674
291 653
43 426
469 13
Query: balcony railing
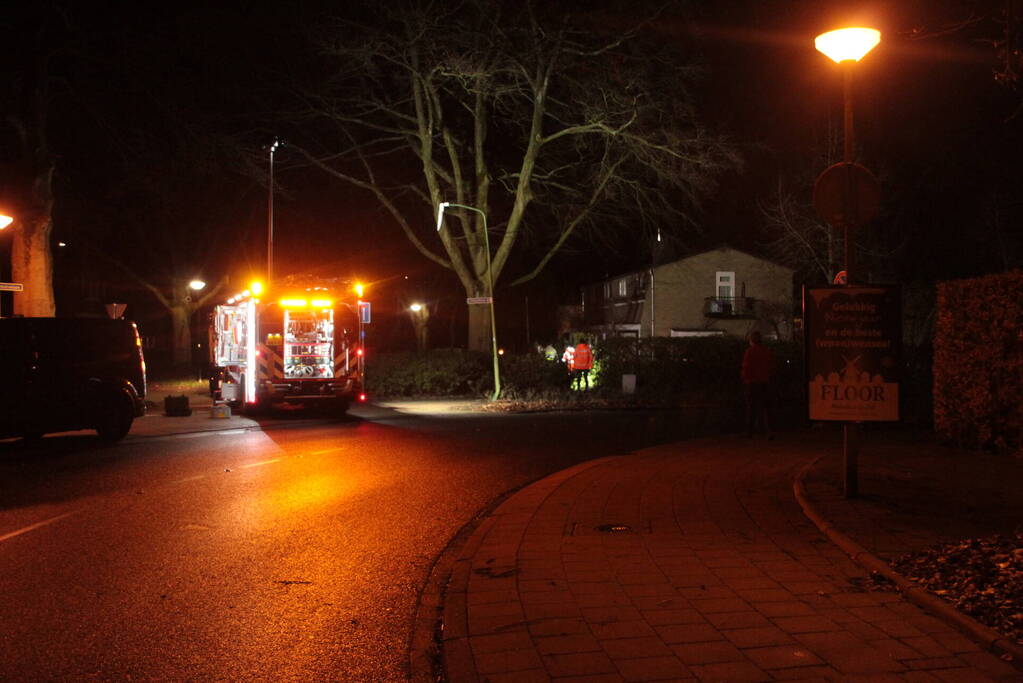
729 307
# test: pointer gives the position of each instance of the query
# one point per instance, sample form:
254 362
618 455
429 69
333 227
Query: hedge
670 371
978 361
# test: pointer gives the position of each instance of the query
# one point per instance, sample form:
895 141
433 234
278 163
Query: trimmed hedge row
978 361
697 370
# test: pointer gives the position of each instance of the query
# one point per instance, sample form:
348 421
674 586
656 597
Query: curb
983 635
432 652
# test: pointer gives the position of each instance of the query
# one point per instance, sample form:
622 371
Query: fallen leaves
982 577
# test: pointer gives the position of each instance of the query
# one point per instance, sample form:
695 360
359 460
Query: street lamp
196 285
490 285
419 314
846 47
270 215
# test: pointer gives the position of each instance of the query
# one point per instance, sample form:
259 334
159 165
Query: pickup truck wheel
115 416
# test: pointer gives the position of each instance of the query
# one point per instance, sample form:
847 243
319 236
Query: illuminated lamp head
847 44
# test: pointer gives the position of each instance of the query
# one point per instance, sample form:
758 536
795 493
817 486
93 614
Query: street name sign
853 344
480 300
11 287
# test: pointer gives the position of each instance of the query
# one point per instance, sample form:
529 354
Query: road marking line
32 527
257 464
329 450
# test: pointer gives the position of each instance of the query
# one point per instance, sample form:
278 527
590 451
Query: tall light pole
490 287
270 216
846 47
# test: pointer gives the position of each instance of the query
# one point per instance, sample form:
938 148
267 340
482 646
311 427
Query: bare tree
554 125
800 239
29 162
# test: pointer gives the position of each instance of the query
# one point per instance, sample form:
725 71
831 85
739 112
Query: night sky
158 120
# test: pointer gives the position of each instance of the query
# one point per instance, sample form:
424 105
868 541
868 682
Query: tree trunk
181 336
32 264
479 327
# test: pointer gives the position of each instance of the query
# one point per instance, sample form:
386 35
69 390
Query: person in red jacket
582 362
757 370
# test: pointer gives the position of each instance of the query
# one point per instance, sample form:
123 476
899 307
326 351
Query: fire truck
295 345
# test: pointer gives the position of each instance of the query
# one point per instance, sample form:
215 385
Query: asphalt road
291 553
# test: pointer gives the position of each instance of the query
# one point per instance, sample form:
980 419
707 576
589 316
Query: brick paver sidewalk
688 561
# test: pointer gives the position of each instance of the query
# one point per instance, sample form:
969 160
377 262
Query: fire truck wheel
115 416
260 408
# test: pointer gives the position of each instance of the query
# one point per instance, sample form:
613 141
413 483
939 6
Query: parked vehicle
301 347
64 374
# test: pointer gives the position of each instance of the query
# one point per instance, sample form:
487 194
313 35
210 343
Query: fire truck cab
301 348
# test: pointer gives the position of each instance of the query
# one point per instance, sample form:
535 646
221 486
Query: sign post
853 349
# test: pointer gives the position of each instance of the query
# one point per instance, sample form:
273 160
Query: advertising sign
853 345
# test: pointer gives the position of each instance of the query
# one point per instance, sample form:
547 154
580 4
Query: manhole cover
614 528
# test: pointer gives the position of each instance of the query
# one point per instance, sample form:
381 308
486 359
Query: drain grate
614 528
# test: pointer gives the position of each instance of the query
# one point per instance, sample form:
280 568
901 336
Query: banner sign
365 316
853 348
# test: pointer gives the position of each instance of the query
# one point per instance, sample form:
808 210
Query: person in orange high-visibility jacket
583 363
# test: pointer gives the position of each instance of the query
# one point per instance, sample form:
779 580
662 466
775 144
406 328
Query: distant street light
846 47
490 285
419 314
270 215
197 285
5 220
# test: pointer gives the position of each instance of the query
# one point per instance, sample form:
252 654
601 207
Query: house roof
720 247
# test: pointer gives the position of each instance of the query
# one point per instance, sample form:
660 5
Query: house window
623 287
725 286
607 291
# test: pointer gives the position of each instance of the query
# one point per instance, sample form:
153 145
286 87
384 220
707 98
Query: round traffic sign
829 194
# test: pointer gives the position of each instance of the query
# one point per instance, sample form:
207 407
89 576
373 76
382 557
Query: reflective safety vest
583 359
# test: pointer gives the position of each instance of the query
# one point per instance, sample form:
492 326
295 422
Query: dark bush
453 372
532 376
442 372
978 361
698 370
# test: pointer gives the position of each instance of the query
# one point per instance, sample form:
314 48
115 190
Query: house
723 291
